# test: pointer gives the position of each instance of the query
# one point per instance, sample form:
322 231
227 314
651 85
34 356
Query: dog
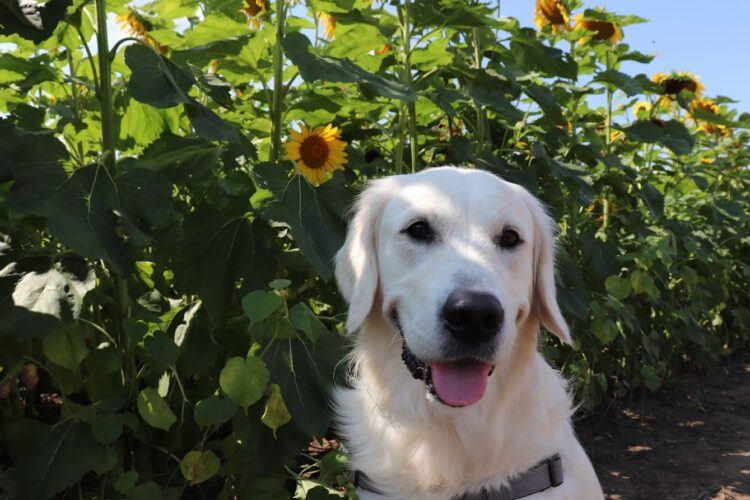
449 274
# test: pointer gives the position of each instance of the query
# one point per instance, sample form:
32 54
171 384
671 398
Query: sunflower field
171 200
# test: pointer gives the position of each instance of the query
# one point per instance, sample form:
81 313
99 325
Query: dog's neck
420 439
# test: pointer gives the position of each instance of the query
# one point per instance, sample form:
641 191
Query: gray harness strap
546 474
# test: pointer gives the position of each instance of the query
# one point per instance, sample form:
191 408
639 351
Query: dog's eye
420 231
508 239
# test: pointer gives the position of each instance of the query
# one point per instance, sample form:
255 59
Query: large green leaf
533 55
66 346
314 215
154 79
48 459
32 20
217 253
671 133
313 67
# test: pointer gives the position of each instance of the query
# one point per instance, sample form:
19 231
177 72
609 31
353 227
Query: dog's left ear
356 261
544 300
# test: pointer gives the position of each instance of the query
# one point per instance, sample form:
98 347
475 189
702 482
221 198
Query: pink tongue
460 383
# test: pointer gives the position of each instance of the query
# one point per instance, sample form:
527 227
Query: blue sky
709 39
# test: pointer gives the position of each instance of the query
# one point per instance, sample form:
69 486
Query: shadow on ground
691 442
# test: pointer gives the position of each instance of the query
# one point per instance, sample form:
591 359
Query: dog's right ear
356 261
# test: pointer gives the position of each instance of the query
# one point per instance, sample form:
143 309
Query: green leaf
672 134
618 287
126 482
107 427
31 20
314 216
258 305
66 346
643 283
161 348
313 67
179 156
144 123
146 491
154 79
199 466
216 254
214 410
208 124
279 284
304 320
154 410
276 413
49 459
650 378
532 55
620 80
244 380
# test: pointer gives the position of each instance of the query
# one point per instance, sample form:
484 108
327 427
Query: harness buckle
554 465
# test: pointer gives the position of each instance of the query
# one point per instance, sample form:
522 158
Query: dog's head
457 260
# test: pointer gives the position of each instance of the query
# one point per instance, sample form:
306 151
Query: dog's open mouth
456 383
460 383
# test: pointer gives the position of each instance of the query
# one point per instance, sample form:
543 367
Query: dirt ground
689 442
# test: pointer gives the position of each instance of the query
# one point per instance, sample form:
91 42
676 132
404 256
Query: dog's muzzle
418 368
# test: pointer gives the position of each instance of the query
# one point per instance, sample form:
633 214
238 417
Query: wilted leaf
276 413
198 466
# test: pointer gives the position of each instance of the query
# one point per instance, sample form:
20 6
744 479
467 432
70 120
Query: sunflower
677 81
707 106
138 26
316 152
601 30
254 9
642 108
551 13
330 25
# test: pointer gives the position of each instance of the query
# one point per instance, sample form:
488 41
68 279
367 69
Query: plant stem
109 159
609 107
399 153
278 83
480 108
407 78
105 89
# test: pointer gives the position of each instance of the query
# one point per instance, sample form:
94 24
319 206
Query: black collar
546 474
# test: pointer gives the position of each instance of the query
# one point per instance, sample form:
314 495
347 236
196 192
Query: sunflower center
314 151
604 29
677 85
552 12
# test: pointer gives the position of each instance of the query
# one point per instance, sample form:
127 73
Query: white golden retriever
449 274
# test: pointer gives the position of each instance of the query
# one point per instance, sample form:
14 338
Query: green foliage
168 322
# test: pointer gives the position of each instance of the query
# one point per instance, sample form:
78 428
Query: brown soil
689 442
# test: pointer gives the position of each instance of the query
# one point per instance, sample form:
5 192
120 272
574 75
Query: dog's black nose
472 316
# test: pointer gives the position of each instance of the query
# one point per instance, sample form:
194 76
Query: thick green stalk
278 84
398 155
608 138
105 89
480 108
407 78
